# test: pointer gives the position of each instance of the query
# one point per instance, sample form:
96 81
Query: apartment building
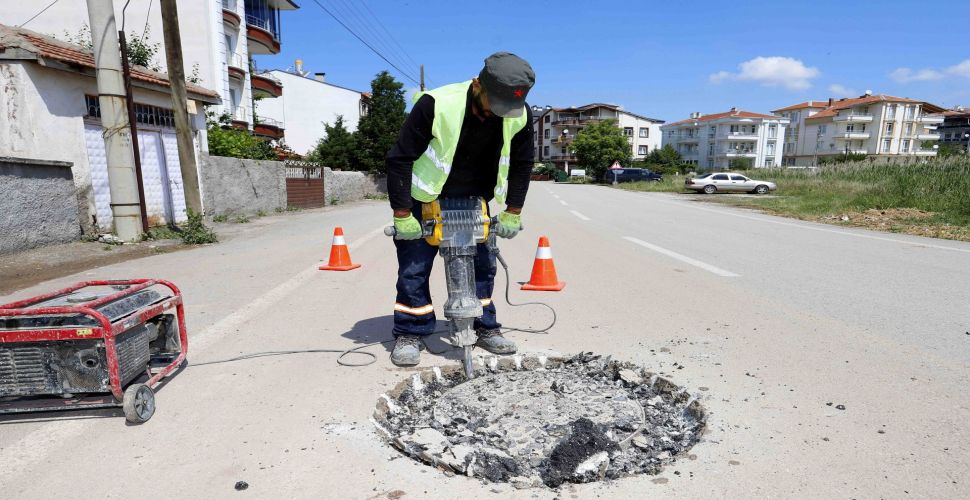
555 129
880 126
309 103
713 142
219 40
955 129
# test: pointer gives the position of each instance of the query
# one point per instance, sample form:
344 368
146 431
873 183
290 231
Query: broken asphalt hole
535 421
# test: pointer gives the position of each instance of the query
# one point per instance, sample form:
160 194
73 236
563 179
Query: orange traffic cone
544 270
339 254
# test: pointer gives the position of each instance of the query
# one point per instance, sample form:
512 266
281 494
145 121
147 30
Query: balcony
236 68
229 15
268 127
852 136
741 136
853 118
689 138
738 153
261 39
928 137
265 85
931 119
240 118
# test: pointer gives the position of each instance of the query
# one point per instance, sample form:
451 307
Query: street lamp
967 137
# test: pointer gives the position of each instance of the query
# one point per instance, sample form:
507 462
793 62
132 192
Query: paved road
771 319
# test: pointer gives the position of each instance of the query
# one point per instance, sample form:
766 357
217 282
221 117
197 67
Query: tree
378 129
337 149
227 141
665 160
600 144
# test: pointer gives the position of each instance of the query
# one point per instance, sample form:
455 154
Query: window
739 178
772 131
642 150
905 147
720 177
735 129
710 149
545 151
891 112
710 163
545 133
889 128
821 129
909 129
546 119
563 150
770 148
628 131
644 132
885 145
712 130
146 114
535 136
769 161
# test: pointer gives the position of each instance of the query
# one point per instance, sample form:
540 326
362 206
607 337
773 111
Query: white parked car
728 182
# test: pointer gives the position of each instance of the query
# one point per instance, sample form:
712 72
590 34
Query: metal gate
304 185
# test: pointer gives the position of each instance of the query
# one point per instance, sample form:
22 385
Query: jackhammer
457 226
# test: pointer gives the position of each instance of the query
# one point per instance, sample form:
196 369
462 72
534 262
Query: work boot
407 350
493 341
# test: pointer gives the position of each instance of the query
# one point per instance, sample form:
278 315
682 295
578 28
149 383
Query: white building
218 39
51 112
713 142
880 126
308 104
555 129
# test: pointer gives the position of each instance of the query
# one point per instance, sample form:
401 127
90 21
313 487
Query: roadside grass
929 198
669 184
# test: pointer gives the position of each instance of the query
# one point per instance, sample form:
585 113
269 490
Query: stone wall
343 187
38 204
233 186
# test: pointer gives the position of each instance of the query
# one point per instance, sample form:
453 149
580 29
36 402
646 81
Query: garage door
161 176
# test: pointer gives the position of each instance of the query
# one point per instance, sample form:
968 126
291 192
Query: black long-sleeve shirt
474 168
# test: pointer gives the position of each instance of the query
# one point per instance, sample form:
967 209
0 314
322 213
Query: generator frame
105 330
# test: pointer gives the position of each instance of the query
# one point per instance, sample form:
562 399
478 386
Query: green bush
224 140
194 231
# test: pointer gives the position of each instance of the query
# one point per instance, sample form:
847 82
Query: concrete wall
237 186
342 187
37 204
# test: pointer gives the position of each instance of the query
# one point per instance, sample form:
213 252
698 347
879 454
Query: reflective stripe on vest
432 168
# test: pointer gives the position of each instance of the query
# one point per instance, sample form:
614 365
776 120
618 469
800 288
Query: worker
472 138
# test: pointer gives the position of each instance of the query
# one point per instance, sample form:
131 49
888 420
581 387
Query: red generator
96 344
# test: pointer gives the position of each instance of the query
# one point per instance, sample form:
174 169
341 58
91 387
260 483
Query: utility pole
422 78
176 78
122 181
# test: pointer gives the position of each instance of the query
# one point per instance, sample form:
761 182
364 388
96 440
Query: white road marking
577 214
564 203
821 229
683 258
36 445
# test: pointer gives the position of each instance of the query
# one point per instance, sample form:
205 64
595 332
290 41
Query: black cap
507 79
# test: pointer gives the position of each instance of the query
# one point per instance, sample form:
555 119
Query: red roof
802 105
42 46
727 114
841 104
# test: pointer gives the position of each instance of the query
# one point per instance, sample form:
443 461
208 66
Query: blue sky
660 59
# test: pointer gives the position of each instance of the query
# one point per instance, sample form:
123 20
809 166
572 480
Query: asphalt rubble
534 421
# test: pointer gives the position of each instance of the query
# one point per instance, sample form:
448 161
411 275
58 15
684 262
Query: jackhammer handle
390 231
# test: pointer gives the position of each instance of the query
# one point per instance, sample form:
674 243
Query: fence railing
303 170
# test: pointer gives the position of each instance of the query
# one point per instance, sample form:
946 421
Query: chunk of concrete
631 377
431 440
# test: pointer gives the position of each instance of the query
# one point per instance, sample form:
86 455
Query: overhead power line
381 33
39 13
369 46
391 36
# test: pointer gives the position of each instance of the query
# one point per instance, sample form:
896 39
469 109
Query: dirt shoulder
27 268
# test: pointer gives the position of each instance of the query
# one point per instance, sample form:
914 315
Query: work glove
407 228
509 225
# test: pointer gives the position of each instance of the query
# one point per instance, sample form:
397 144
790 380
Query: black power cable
373 357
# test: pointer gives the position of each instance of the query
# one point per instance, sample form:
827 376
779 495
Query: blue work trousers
413 312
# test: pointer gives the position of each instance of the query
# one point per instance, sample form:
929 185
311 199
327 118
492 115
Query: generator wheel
138 403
